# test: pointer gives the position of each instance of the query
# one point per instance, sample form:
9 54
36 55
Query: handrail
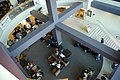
104 26
109 33
99 23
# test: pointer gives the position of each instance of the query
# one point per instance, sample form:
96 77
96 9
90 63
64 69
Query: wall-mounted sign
89 13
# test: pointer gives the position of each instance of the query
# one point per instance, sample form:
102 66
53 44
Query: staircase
97 33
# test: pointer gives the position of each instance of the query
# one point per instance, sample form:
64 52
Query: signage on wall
89 13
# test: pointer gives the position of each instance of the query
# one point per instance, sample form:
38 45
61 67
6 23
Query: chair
35 68
67 53
57 72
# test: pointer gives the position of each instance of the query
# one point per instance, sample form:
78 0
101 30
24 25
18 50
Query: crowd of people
20 32
86 74
5 7
88 50
34 71
103 77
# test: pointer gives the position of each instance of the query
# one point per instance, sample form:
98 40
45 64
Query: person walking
102 40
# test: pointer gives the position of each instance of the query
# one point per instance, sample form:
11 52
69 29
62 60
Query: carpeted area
79 60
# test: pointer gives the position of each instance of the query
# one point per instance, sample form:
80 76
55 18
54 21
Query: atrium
59 39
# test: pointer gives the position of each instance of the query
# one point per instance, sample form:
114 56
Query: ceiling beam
89 42
39 15
30 39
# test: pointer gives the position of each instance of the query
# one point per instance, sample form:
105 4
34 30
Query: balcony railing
20 8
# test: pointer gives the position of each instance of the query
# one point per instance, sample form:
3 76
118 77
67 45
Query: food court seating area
86 74
31 70
21 31
59 60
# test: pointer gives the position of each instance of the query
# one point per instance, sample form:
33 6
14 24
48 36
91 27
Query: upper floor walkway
14 17
97 31
102 25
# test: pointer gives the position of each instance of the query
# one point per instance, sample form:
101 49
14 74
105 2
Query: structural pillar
52 10
57 36
87 4
8 63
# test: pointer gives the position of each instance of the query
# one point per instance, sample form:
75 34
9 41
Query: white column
57 36
87 4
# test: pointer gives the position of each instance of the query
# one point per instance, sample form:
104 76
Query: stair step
108 42
114 46
94 31
97 38
100 36
111 43
97 33
106 39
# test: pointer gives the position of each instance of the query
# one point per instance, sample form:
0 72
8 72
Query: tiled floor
109 23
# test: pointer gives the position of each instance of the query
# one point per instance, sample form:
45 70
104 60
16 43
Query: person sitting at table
23 32
36 75
59 55
53 64
58 65
84 75
29 66
60 48
57 52
18 36
41 73
10 42
62 55
104 77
